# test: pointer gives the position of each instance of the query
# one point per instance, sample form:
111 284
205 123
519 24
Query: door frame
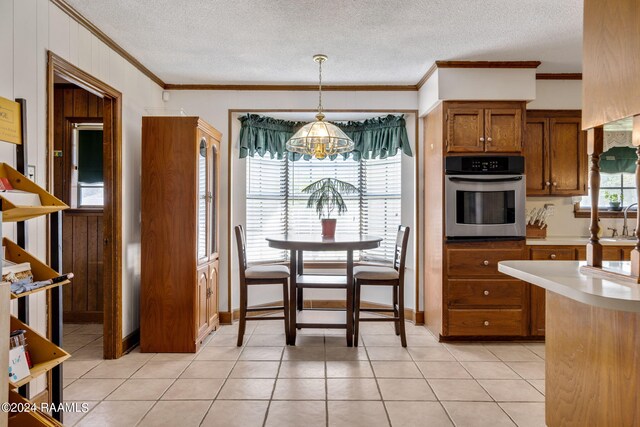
112 216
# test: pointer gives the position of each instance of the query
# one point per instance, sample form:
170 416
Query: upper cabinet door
568 157
214 198
536 142
503 130
465 130
202 199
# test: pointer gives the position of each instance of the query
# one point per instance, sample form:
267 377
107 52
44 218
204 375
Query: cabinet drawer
486 322
549 254
486 293
478 262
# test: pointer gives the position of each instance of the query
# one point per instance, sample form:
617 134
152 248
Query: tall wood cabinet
180 233
555 150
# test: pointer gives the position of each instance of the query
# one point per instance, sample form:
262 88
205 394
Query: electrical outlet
551 208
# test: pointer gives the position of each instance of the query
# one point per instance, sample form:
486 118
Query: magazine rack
47 355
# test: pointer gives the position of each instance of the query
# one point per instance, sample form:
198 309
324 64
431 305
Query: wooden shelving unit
14 213
40 270
46 355
29 419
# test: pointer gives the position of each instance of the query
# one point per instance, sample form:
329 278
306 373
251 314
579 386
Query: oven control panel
484 165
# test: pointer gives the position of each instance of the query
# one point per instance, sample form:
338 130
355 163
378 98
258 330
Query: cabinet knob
489 139
485 262
548 183
486 323
555 184
486 292
552 256
482 139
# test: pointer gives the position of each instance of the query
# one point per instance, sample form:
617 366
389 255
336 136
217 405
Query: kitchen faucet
625 229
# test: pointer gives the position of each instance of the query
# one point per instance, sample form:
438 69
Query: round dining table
297 244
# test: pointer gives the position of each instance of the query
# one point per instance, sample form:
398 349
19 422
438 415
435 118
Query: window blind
276 204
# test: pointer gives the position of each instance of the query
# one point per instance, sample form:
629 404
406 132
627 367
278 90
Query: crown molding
80 19
488 64
426 76
275 87
559 76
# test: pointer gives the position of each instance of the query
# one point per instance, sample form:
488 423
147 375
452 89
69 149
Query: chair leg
243 313
396 323
285 298
356 314
403 334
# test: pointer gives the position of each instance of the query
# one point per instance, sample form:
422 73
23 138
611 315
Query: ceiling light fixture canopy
320 139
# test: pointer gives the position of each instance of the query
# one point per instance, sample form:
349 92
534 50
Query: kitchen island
592 342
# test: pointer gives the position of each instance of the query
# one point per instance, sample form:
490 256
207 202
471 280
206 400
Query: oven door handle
511 179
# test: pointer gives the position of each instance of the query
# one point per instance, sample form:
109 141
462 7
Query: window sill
579 212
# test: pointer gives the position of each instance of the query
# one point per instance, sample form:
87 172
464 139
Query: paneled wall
28 28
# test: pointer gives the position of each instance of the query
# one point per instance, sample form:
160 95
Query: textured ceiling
367 41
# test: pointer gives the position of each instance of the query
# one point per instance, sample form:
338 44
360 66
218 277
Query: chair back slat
400 252
242 250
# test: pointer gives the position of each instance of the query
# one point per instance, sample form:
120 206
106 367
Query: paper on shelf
21 198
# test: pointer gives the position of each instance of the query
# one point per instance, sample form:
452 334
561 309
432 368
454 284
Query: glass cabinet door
213 188
202 199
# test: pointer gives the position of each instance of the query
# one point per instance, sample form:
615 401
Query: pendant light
320 139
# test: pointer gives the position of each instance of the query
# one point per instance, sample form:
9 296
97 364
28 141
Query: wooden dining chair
384 276
260 275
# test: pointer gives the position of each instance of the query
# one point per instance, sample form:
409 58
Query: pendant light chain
320 85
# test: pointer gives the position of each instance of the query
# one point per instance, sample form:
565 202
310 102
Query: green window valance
379 137
618 160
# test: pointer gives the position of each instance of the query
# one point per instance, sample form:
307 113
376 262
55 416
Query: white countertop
579 241
565 278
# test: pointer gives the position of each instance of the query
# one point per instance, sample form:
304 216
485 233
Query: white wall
557 95
214 106
28 28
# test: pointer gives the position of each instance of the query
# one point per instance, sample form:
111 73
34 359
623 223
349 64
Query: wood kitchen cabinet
480 301
180 233
555 153
491 127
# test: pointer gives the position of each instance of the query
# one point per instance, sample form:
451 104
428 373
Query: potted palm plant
325 195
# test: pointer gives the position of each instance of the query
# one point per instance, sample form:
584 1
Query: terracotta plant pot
329 228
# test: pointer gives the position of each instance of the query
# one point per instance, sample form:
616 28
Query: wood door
202 321
503 130
538 294
212 300
567 157
535 150
465 130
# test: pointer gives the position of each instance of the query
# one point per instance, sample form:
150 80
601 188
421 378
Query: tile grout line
375 378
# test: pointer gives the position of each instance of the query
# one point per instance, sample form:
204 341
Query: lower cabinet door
499 322
212 301
202 322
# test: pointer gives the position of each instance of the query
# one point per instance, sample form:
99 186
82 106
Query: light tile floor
319 382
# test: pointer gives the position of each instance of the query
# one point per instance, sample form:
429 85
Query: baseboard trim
227 318
130 341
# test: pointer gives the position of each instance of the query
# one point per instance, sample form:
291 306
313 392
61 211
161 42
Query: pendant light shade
320 139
